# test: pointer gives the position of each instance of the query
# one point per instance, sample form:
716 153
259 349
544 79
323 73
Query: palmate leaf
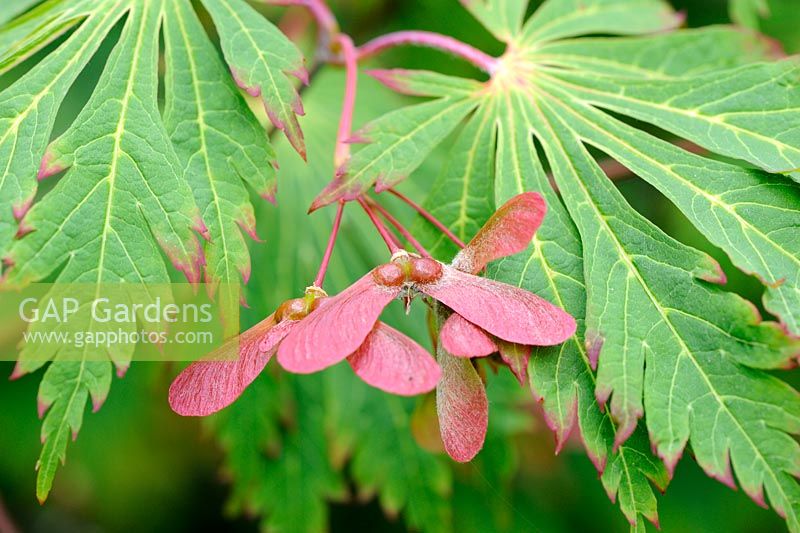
666 342
260 58
136 186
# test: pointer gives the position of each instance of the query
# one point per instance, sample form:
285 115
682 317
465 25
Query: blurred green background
138 466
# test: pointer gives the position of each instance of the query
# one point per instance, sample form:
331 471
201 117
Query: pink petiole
387 237
323 267
400 228
429 217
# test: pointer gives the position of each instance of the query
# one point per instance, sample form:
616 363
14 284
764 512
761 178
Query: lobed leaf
261 58
693 338
220 144
123 190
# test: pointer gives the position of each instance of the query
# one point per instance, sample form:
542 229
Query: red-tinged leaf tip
336 190
249 227
42 406
245 272
594 344
463 408
462 338
206 386
509 231
297 106
337 328
757 495
20 210
601 395
626 428
716 276
726 476
201 228
49 167
516 357
8 264
670 460
676 19
17 373
301 74
561 433
193 270
271 194
508 312
390 361
599 461
239 80
98 401
22 229
292 131
122 369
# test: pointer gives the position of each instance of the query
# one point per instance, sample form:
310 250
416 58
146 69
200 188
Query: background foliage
347 459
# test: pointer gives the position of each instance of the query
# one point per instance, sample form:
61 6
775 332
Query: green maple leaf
665 340
136 185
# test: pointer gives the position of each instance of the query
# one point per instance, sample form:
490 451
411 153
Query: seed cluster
407 269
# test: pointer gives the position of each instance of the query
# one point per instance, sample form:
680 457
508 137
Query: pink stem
428 39
326 259
387 237
342 152
429 217
400 228
326 21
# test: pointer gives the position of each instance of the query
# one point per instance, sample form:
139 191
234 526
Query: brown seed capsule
291 310
389 275
425 270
